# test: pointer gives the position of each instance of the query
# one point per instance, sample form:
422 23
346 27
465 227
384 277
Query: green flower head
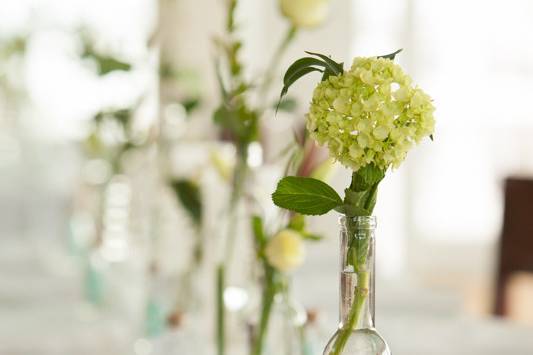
370 114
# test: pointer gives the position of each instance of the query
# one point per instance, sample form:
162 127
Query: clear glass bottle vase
356 334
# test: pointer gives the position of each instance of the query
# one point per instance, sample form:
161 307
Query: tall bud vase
356 334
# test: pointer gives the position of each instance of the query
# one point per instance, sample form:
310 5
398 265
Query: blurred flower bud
305 13
285 251
221 164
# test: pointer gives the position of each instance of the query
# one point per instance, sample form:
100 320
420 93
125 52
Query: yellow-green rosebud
305 13
285 251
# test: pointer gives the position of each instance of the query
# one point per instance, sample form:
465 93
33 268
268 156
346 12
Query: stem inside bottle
356 279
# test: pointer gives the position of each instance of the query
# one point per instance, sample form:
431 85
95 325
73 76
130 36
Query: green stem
221 286
358 250
269 292
360 296
236 193
239 178
371 197
220 319
198 251
237 186
230 21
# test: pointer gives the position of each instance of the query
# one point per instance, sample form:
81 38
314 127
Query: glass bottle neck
357 273
349 283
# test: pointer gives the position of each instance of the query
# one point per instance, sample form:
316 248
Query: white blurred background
440 214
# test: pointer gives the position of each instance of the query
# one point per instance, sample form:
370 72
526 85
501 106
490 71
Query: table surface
42 313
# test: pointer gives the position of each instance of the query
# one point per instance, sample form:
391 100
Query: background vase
284 333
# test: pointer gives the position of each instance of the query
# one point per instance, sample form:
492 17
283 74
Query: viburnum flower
371 113
305 13
368 117
285 251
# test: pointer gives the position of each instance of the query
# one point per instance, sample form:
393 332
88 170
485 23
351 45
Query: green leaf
360 197
352 211
365 177
431 137
392 55
222 116
240 122
188 194
359 203
326 75
227 119
354 202
123 116
287 104
191 104
372 197
306 65
105 63
300 64
296 70
166 71
307 196
295 75
332 66
240 89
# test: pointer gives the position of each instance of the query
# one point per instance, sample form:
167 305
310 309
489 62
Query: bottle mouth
360 222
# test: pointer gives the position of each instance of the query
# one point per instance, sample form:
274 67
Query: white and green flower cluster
370 114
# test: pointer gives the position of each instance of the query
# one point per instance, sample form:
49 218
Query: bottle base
360 342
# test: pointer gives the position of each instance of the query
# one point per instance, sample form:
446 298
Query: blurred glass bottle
284 320
313 334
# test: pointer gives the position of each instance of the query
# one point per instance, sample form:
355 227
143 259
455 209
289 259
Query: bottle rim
361 222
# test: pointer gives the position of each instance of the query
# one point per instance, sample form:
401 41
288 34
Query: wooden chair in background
516 244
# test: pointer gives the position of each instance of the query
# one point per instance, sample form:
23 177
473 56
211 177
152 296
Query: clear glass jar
356 334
